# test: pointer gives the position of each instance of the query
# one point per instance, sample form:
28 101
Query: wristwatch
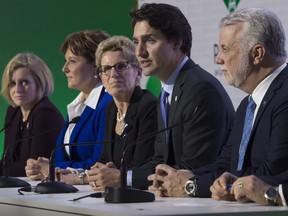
191 187
81 176
271 195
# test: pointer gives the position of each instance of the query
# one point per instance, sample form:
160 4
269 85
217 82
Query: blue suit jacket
89 129
267 151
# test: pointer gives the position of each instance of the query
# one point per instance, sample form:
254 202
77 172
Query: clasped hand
168 181
101 176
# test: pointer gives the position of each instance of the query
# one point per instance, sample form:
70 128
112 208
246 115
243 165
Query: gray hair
261 26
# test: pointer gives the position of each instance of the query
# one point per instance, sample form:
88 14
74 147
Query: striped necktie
248 124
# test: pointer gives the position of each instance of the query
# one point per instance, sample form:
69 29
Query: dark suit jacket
267 151
142 116
199 139
42 118
276 181
89 129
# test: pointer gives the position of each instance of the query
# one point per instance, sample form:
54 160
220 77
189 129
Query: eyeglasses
119 67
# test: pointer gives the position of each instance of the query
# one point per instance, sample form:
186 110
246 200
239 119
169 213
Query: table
11 203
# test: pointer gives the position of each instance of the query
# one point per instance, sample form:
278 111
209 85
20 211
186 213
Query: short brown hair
84 43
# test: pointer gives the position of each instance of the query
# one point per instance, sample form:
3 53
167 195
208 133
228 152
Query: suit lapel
271 92
175 99
78 127
110 128
132 110
177 89
129 119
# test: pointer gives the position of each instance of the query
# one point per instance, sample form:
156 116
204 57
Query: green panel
154 85
40 27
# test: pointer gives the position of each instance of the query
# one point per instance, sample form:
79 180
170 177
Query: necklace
120 118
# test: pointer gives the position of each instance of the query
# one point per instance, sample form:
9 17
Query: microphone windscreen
127 129
75 120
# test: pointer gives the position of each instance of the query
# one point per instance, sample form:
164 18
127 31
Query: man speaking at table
190 95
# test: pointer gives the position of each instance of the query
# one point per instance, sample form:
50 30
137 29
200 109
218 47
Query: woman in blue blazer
79 50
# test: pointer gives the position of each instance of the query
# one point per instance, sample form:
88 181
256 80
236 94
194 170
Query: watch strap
81 176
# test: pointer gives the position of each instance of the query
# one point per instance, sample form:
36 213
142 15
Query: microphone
2 129
5 126
6 180
53 186
124 194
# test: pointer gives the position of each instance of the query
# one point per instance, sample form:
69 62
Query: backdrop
204 17
41 26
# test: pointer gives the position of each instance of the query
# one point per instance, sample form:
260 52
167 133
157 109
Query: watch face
191 188
271 193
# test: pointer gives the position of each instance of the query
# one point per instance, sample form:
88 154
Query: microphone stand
2 129
6 181
124 194
53 186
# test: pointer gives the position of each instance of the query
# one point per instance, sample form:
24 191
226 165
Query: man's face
154 52
234 61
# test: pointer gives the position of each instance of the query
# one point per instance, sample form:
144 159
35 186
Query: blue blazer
89 129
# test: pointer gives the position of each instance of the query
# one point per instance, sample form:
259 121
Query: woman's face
119 83
79 72
23 88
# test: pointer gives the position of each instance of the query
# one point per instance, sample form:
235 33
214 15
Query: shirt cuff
282 195
129 178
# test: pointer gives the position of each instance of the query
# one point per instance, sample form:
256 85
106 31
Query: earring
95 76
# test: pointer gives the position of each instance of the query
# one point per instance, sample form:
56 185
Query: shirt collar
260 91
94 96
92 99
169 84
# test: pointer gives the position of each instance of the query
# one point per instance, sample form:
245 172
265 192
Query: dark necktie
165 109
246 132
164 106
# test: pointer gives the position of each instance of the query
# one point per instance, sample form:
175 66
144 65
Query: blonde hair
39 69
117 43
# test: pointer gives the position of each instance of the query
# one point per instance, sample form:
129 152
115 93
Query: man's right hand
169 182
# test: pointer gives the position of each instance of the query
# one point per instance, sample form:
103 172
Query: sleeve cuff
282 195
129 178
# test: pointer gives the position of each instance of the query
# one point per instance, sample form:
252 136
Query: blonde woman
120 73
26 84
